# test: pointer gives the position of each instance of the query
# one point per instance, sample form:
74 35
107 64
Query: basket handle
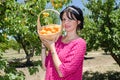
38 20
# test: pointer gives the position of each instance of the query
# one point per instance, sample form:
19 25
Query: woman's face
68 24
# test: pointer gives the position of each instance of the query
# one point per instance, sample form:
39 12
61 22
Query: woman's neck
69 37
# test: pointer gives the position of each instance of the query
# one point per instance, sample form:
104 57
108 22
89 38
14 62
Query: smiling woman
66 55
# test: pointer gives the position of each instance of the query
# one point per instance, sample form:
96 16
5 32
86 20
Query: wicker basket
51 36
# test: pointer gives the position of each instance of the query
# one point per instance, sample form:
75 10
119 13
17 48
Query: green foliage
13 74
13 44
102 27
18 21
18 30
33 70
3 46
58 4
9 73
21 23
3 62
109 75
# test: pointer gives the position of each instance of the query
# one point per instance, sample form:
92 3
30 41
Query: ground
96 63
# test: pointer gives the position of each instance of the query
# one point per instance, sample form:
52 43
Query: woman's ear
79 22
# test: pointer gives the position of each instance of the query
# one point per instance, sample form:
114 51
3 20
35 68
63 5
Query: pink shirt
71 56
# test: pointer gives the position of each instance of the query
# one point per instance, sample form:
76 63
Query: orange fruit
50 29
45 14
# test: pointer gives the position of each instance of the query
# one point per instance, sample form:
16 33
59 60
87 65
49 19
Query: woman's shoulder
79 41
82 40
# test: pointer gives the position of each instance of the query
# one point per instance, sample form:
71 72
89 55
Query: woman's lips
67 26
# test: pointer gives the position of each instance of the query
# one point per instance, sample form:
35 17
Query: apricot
50 29
45 14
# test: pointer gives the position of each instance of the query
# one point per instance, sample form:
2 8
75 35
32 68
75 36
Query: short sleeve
74 59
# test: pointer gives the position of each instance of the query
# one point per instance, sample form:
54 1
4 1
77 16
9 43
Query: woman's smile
67 26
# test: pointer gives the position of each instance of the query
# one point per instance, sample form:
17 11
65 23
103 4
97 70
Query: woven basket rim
48 10
38 22
52 33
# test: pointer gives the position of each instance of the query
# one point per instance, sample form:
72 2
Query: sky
77 3
74 2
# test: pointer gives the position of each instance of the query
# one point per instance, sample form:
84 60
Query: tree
103 27
21 24
18 21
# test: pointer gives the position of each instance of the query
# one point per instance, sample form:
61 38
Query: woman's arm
51 46
43 56
56 59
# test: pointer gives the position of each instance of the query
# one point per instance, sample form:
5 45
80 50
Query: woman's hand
48 43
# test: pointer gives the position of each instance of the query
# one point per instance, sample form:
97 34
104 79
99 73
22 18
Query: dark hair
77 12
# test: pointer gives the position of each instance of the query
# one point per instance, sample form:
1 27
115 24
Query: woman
66 55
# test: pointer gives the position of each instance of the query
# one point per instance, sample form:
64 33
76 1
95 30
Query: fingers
56 38
44 41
